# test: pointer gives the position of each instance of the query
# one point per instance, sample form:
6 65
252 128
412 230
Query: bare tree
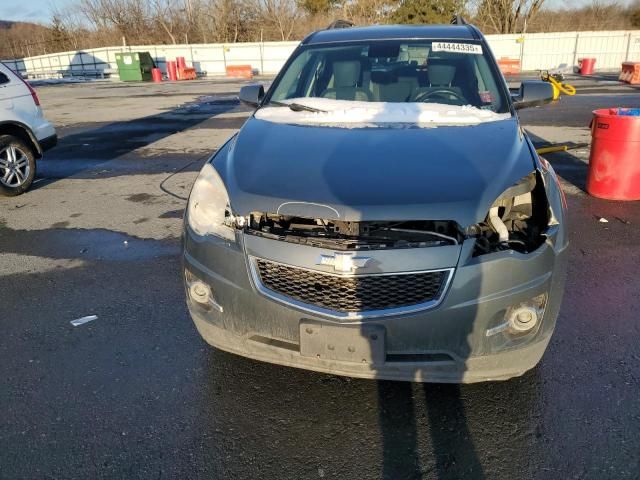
634 14
279 15
164 11
596 15
127 17
364 12
507 16
94 23
66 30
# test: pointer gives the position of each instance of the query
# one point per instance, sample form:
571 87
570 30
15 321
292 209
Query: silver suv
24 133
382 214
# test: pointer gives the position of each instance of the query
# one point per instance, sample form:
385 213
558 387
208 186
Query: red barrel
586 65
172 71
181 62
614 163
156 75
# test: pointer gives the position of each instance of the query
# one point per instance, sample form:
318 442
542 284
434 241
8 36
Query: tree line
96 23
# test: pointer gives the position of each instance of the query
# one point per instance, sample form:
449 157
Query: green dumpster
134 66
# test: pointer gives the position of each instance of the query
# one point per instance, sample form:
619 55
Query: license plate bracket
347 343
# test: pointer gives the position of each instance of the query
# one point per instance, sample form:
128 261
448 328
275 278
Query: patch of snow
351 114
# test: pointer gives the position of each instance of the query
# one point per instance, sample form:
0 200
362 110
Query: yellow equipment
557 148
555 79
552 148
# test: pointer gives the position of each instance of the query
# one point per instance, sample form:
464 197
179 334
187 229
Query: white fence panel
545 51
558 50
505 46
535 51
275 54
209 59
633 52
242 54
608 50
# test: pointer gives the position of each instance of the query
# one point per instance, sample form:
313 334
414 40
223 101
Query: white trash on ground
81 321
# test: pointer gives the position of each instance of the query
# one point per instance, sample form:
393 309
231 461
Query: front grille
352 293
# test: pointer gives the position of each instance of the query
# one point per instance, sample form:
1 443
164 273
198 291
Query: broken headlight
208 212
516 220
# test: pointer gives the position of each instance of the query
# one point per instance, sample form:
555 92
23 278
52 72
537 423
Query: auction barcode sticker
457 47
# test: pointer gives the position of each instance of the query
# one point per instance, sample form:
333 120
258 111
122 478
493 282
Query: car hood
377 173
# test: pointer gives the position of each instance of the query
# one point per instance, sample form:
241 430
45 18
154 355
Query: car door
16 102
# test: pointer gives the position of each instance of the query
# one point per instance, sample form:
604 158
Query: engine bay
366 235
516 221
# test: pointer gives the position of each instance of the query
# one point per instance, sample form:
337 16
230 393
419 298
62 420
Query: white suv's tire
17 166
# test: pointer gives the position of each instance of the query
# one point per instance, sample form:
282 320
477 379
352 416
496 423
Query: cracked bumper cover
453 333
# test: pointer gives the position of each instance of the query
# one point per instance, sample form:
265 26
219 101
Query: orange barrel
586 65
614 163
172 71
239 71
509 66
187 73
181 62
630 73
156 75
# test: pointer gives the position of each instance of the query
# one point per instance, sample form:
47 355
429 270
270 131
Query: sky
29 10
40 10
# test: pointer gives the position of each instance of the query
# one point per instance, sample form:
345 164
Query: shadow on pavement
81 152
453 453
453 447
302 424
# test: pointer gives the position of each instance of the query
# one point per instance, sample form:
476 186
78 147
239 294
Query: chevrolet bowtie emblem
343 262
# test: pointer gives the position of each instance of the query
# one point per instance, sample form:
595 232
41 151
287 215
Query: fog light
200 292
522 318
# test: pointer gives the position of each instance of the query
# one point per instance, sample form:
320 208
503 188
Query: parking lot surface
136 393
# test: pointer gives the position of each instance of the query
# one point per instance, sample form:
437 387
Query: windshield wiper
297 107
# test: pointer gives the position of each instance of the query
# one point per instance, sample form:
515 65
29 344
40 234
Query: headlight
208 212
516 220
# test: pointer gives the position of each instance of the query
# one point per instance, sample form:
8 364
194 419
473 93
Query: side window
313 89
3 79
491 89
289 83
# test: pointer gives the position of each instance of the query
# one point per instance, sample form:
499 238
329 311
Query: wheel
17 166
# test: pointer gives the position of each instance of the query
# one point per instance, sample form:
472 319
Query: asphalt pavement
136 393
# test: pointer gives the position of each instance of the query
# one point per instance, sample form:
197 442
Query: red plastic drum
586 66
156 75
172 71
614 163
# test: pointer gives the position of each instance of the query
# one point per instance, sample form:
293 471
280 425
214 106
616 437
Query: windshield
399 71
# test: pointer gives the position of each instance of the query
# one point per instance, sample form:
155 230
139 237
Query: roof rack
458 20
340 24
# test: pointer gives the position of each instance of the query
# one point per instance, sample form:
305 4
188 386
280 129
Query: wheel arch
23 132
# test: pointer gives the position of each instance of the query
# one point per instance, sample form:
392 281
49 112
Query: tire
17 166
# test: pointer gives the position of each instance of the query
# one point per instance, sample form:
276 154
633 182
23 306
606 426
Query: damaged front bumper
456 339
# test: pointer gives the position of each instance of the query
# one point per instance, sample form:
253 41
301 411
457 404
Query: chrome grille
349 294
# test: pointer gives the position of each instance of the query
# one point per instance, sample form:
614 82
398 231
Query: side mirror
532 94
251 94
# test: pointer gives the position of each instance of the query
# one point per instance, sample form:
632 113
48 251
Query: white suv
24 133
